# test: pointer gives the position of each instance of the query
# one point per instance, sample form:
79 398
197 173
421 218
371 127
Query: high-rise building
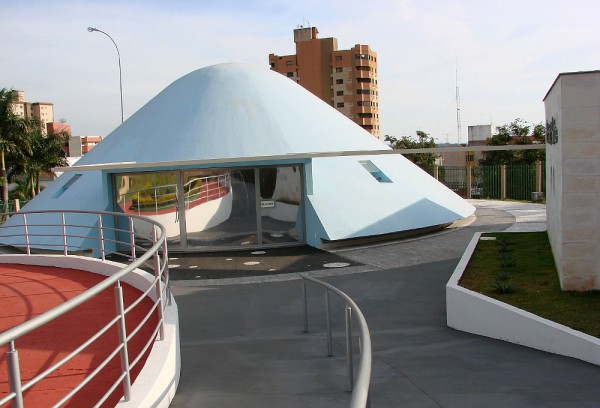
42 111
346 79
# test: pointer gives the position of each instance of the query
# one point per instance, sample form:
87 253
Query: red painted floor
27 291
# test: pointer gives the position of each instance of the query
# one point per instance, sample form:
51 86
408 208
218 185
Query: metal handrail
160 283
360 386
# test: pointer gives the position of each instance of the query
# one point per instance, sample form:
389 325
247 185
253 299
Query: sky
502 55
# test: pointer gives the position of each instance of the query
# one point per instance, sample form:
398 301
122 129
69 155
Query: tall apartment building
42 111
346 79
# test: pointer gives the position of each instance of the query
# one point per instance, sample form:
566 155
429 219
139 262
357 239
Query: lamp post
91 30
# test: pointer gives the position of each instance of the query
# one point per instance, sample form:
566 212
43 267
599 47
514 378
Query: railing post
101 237
64 233
436 172
503 182
349 348
17 205
132 239
469 181
158 289
305 306
328 317
27 249
14 374
123 340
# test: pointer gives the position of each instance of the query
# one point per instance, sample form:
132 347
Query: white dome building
239 156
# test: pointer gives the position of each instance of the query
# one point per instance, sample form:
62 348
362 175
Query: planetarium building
237 156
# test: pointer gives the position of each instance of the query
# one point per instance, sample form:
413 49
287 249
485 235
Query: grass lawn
530 275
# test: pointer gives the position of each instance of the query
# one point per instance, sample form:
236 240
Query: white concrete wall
573 179
472 312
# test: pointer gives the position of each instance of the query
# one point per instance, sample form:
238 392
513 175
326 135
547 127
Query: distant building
346 79
478 136
42 111
80 145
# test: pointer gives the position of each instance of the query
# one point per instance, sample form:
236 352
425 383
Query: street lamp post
91 30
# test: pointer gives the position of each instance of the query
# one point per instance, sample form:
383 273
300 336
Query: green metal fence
513 182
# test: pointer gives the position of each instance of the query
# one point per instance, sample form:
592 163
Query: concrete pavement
242 343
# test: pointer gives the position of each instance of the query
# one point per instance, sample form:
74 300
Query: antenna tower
458 125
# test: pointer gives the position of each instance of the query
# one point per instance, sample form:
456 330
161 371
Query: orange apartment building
346 79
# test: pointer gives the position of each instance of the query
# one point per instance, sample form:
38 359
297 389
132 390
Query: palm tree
46 152
12 136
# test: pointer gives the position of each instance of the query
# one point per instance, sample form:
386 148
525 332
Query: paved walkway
242 344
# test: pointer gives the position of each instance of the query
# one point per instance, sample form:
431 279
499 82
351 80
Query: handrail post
158 289
14 374
123 340
101 237
166 273
132 239
64 233
305 306
328 318
27 249
349 348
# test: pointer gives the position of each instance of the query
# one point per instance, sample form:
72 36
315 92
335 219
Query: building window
339 93
339 81
338 57
365 115
366 80
363 103
374 171
340 104
363 92
288 63
362 56
290 74
339 69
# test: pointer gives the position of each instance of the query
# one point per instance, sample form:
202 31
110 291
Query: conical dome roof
231 111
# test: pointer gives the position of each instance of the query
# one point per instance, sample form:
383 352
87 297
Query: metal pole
27 249
349 348
305 306
328 317
132 239
92 29
14 374
64 234
158 289
123 340
101 237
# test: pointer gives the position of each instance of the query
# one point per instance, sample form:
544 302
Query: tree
46 151
515 133
423 160
12 135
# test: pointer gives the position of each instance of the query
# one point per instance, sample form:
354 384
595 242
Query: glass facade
217 207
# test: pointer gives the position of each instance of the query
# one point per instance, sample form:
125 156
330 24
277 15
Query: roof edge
597 71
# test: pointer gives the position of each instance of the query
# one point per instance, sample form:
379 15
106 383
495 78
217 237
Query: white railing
359 386
107 235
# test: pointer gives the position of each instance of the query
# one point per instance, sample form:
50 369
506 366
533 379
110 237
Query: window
338 57
290 74
339 69
66 186
339 93
363 92
369 80
339 81
363 103
374 171
361 56
365 115
340 104
288 63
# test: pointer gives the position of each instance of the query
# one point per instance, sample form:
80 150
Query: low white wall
474 313
156 384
